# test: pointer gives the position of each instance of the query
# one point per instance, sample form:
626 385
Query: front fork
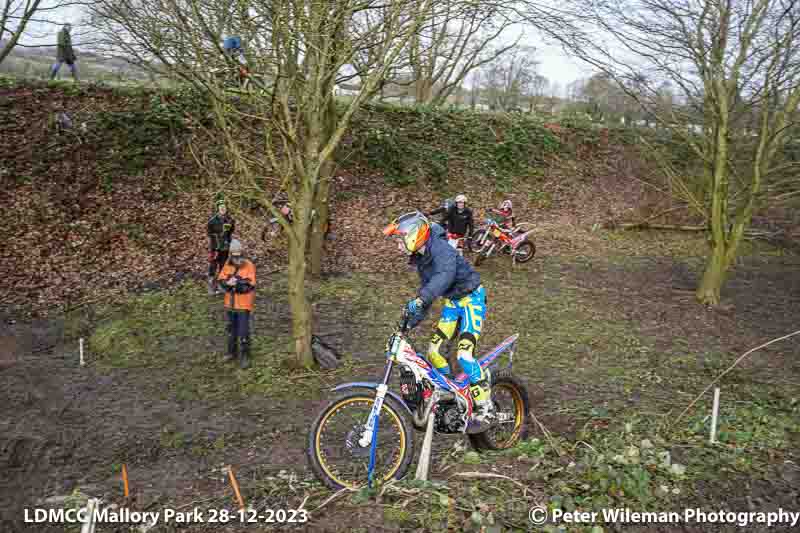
370 435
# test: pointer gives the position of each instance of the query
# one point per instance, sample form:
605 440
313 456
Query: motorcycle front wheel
477 241
525 252
334 453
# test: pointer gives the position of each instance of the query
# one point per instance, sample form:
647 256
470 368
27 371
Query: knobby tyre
511 398
475 243
525 252
340 466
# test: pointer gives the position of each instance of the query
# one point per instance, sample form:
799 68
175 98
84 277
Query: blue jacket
443 272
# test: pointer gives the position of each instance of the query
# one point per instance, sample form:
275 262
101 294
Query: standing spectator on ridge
64 53
220 229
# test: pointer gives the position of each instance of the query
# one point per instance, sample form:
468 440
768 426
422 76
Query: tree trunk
298 301
708 292
424 90
716 174
319 224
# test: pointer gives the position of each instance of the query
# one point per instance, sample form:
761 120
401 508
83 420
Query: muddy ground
63 427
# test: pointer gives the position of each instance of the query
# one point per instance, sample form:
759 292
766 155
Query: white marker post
83 363
714 413
425 454
91 506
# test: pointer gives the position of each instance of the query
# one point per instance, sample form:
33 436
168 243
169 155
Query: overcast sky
555 65
559 67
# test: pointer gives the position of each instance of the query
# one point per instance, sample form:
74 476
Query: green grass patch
585 361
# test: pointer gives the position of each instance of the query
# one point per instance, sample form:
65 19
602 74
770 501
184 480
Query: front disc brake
351 441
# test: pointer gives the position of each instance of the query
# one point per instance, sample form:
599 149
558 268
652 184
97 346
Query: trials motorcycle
366 431
492 238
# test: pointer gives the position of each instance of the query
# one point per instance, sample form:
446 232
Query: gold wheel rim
518 416
395 419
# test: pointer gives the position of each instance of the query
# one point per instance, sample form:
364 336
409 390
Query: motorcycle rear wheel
525 252
504 435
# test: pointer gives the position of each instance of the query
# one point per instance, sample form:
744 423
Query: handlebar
404 319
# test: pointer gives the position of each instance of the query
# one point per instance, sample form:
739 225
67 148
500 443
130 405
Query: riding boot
244 357
483 414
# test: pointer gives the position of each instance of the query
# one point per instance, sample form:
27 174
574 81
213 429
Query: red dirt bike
492 238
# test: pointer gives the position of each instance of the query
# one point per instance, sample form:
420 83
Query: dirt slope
117 201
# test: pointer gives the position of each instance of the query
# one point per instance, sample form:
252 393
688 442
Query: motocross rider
444 273
505 214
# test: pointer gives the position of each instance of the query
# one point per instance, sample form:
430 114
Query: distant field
36 63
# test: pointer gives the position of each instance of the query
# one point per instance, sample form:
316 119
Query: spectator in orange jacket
238 278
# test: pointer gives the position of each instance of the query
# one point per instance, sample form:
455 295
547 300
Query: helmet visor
402 224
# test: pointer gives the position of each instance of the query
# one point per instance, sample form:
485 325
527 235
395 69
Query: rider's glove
415 306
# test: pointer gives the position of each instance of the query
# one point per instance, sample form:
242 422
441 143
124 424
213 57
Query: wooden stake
235 485
125 487
425 454
83 363
714 413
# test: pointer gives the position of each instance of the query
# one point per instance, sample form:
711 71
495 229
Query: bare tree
509 78
538 87
604 98
459 38
725 60
29 19
290 130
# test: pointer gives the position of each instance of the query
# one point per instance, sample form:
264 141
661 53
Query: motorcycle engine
449 417
409 389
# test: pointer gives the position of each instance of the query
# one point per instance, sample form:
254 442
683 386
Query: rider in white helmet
505 214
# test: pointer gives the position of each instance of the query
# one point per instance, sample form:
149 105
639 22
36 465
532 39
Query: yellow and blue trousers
467 314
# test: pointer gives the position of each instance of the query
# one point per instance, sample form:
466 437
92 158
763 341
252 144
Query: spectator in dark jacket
220 229
443 211
64 53
458 220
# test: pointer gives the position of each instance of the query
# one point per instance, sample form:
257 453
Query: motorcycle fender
373 386
519 238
